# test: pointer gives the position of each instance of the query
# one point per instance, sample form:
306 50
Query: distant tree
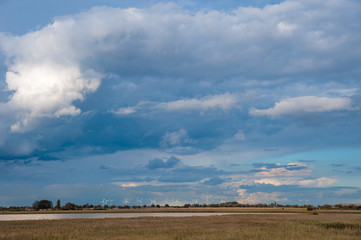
166 205
58 206
69 206
35 205
310 208
352 206
326 206
42 204
98 207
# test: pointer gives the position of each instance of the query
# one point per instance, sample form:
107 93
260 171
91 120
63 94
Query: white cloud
292 169
50 69
125 111
176 138
152 184
346 92
318 182
277 181
42 86
240 136
222 101
346 191
297 180
258 197
305 104
285 28
129 185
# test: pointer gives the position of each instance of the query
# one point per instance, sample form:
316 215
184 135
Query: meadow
326 225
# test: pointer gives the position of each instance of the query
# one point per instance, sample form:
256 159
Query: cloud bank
222 101
50 69
305 104
121 90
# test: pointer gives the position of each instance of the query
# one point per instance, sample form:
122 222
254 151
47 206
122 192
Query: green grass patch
341 225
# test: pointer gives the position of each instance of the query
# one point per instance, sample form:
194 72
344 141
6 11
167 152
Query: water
19 217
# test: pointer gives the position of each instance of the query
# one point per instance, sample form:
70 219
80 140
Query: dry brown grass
290 226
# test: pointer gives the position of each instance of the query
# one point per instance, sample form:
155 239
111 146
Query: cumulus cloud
297 173
222 101
177 63
281 174
278 170
305 104
318 182
258 197
50 69
176 138
44 77
125 111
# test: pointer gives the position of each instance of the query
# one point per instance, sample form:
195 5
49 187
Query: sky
180 102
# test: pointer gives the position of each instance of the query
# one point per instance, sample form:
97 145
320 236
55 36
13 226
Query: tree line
48 205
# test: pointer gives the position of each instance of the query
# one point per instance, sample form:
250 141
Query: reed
290 226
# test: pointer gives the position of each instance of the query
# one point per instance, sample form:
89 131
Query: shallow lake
18 217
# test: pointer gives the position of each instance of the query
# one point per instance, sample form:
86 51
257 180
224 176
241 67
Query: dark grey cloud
214 181
158 163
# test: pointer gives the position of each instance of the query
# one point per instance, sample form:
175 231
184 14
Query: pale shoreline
34 217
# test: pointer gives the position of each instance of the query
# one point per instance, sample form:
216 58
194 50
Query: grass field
291 226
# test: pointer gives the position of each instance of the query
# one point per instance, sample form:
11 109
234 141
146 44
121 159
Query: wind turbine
104 202
139 202
152 201
126 201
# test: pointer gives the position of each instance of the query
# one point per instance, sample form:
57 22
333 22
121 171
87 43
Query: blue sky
183 101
